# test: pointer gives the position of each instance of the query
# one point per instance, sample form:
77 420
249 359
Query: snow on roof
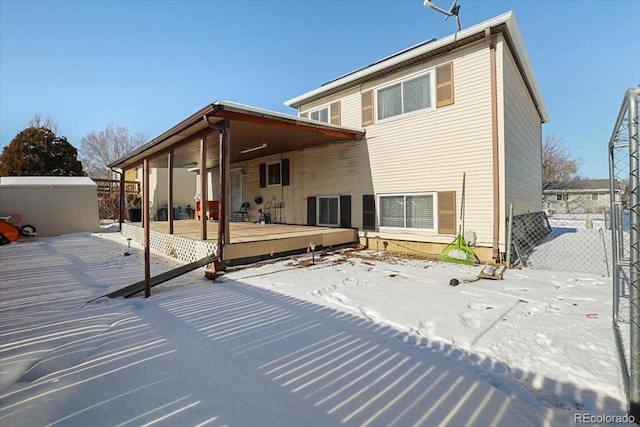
46 181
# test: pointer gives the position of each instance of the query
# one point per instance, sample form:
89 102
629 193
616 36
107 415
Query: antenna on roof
454 10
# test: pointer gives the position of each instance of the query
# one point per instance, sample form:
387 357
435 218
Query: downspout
121 201
495 145
222 204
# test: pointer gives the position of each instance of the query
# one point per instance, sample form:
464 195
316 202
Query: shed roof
505 23
46 181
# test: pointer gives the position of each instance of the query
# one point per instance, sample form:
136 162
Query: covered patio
215 137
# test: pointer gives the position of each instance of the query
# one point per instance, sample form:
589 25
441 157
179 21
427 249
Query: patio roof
249 127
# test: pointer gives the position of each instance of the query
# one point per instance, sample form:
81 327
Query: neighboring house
465 103
581 196
383 149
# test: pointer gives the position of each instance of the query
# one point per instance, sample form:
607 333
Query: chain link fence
562 242
599 241
624 174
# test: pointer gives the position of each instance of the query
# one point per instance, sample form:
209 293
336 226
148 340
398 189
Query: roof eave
232 111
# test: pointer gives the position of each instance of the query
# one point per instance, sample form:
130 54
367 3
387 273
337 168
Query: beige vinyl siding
330 170
428 151
522 145
349 106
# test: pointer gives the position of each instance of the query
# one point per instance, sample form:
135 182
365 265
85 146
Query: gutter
495 144
121 201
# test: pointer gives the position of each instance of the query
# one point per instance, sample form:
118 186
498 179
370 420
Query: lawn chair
243 213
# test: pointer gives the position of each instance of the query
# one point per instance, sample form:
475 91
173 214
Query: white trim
507 18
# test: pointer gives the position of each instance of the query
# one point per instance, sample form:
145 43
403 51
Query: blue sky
146 65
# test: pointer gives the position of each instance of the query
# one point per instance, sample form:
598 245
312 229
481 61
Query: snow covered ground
357 338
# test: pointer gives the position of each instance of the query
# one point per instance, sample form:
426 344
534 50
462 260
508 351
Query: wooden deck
249 242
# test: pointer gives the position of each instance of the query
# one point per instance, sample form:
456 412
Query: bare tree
557 163
98 149
47 122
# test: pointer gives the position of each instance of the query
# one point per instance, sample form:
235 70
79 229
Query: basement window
414 211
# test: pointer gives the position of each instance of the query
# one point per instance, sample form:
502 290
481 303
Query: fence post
634 383
509 228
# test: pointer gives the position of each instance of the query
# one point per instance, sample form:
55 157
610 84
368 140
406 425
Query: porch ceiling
248 127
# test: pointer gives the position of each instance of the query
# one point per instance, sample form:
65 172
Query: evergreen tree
38 151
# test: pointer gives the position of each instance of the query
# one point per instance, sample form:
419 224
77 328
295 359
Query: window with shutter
367 107
335 113
444 85
305 114
405 97
446 212
407 211
328 211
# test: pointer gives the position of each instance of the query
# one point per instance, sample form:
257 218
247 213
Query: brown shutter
345 211
444 85
368 212
335 113
263 174
446 212
285 171
367 107
311 210
305 114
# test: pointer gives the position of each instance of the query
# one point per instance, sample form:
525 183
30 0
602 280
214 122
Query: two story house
383 149
467 103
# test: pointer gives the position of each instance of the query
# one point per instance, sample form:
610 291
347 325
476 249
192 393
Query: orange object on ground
9 231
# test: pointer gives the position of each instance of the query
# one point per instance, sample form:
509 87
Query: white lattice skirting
186 250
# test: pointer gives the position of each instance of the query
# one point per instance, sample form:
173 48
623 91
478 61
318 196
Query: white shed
53 204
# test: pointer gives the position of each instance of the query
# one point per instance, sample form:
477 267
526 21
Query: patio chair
242 213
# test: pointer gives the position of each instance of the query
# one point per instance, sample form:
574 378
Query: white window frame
269 184
562 197
318 198
317 110
434 212
401 81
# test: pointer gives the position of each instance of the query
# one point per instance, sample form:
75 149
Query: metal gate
624 174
